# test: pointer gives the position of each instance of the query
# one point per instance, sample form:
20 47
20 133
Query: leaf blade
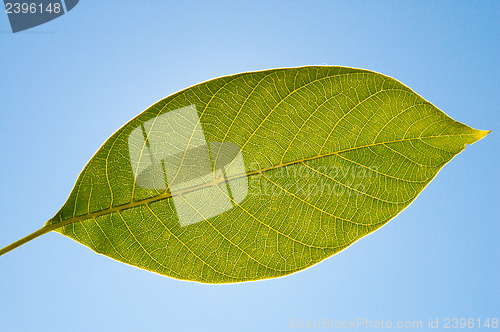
310 119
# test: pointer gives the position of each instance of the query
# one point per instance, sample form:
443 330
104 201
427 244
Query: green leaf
259 175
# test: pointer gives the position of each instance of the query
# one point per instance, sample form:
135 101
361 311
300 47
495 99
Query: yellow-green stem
34 235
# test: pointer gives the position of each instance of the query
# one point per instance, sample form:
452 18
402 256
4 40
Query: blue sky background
66 86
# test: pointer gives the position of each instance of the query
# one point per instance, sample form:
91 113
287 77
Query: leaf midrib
167 194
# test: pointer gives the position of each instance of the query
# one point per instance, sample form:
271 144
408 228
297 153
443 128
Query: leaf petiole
32 236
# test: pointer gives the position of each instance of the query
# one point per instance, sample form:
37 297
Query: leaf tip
476 135
480 134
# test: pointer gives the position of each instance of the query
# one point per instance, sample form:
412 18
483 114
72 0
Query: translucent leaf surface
260 174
